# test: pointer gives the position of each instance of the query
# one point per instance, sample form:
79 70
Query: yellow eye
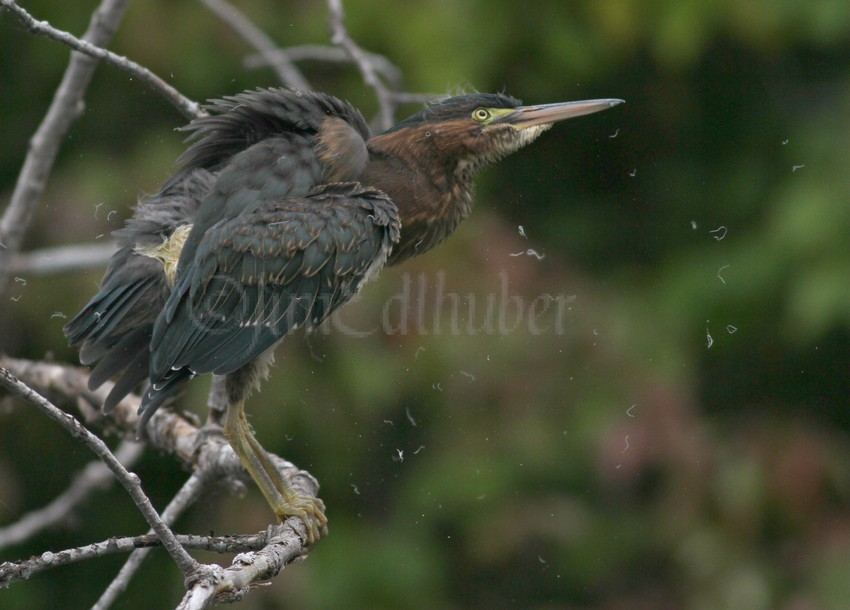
481 114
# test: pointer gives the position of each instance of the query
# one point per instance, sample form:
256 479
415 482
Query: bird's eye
480 114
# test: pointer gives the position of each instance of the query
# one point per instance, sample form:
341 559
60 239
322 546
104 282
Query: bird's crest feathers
236 122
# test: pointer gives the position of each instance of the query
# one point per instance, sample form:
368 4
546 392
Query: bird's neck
433 195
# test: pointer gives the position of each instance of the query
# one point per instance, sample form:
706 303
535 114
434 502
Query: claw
310 510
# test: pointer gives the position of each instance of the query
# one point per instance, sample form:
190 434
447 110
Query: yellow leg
284 501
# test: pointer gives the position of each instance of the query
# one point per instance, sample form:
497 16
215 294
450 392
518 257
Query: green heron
282 207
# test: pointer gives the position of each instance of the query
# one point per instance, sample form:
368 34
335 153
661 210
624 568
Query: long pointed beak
529 116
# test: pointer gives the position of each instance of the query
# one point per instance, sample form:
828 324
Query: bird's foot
310 510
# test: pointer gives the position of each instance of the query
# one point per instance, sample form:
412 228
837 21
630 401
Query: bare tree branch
341 38
173 433
286 71
93 477
62 259
66 107
131 482
232 584
70 384
208 454
317 52
404 97
26 569
183 499
93 48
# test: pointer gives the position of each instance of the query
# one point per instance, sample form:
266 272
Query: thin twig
26 569
286 71
341 38
93 477
66 107
188 494
95 49
131 482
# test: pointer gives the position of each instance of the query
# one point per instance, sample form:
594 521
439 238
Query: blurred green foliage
676 437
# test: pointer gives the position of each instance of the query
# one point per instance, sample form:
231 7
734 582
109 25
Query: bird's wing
256 277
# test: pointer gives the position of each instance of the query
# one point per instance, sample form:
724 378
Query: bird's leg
309 509
238 431
283 499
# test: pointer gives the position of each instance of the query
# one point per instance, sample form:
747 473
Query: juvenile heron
282 207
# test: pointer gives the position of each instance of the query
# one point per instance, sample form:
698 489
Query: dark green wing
257 277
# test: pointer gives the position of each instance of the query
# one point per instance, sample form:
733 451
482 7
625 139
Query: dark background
672 432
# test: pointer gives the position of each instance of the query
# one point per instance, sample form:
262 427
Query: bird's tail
114 328
159 392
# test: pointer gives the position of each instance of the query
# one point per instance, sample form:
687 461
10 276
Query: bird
282 207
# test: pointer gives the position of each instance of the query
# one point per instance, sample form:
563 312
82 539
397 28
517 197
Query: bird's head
470 132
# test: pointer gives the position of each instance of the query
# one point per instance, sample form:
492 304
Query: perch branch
168 431
232 584
206 452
